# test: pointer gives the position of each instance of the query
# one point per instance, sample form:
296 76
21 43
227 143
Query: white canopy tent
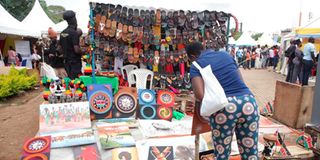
246 40
232 41
266 39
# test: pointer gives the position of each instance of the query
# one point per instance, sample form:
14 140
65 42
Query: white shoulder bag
214 98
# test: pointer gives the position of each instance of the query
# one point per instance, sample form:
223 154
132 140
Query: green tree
19 9
54 12
236 35
256 36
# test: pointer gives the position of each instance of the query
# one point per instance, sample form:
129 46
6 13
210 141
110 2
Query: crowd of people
301 61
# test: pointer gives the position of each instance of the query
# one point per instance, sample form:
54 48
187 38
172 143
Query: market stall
99 116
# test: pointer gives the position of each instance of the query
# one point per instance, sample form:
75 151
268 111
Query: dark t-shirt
68 39
225 69
57 61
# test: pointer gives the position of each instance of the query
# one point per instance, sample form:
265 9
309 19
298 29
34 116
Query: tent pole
315 118
228 31
92 44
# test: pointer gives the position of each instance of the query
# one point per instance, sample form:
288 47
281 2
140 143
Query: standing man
308 60
290 54
69 41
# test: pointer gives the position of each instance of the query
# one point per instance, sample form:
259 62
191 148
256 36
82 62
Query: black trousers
307 67
73 69
290 72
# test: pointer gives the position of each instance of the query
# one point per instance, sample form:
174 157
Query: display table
114 82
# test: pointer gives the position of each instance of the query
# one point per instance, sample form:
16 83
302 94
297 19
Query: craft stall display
37 148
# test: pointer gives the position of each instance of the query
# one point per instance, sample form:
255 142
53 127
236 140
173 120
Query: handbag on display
214 98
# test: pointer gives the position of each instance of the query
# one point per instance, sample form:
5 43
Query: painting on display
100 101
37 148
129 153
165 98
90 152
160 152
71 138
177 148
155 112
207 155
147 96
115 135
64 116
125 103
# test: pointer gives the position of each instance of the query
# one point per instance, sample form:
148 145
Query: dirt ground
19 121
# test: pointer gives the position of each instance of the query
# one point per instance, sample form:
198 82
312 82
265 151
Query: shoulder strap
196 65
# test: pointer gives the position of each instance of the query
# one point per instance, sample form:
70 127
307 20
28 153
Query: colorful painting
37 148
100 101
147 112
86 152
130 122
125 103
147 96
64 116
180 148
115 135
207 155
71 138
160 152
165 98
129 153
164 113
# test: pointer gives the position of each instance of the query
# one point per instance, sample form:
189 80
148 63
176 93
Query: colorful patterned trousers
242 117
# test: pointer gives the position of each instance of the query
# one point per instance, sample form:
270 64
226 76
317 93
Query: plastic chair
125 70
140 78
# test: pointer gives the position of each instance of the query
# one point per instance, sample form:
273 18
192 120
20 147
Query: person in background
55 57
239 56
70 45
2 64
248 59
253 57
290 54
264 55
12 56
297 61
308 60
19 59
258 57
271 57
276 57
240 116
35 57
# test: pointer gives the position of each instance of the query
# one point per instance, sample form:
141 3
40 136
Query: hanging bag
214 98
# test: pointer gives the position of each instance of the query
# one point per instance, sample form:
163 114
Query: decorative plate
101 102
38 156
146 96
125 102
164 113
148 112
165 98
37 144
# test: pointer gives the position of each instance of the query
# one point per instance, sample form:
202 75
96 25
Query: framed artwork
100 101
125 103
64 116
147 96
147 112
115 135
71 138
164 113
37 148
207 155
129 153
90 152
165 98
160 152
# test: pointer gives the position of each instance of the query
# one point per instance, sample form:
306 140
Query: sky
268 16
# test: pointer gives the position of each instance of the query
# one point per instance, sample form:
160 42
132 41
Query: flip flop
188 23
164 23
142 17
201 19
175 19
130 16
158 17
113 30
182 19
136 18
135 34
170 19
145 39
151 36
148 20
207 22
153 18
140 34
119 31
213 18
194 21
123 16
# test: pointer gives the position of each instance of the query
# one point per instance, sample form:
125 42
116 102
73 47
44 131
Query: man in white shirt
271 57
308 60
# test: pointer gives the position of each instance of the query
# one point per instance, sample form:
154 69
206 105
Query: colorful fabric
240 116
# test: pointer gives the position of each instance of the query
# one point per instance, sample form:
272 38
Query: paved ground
19 117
